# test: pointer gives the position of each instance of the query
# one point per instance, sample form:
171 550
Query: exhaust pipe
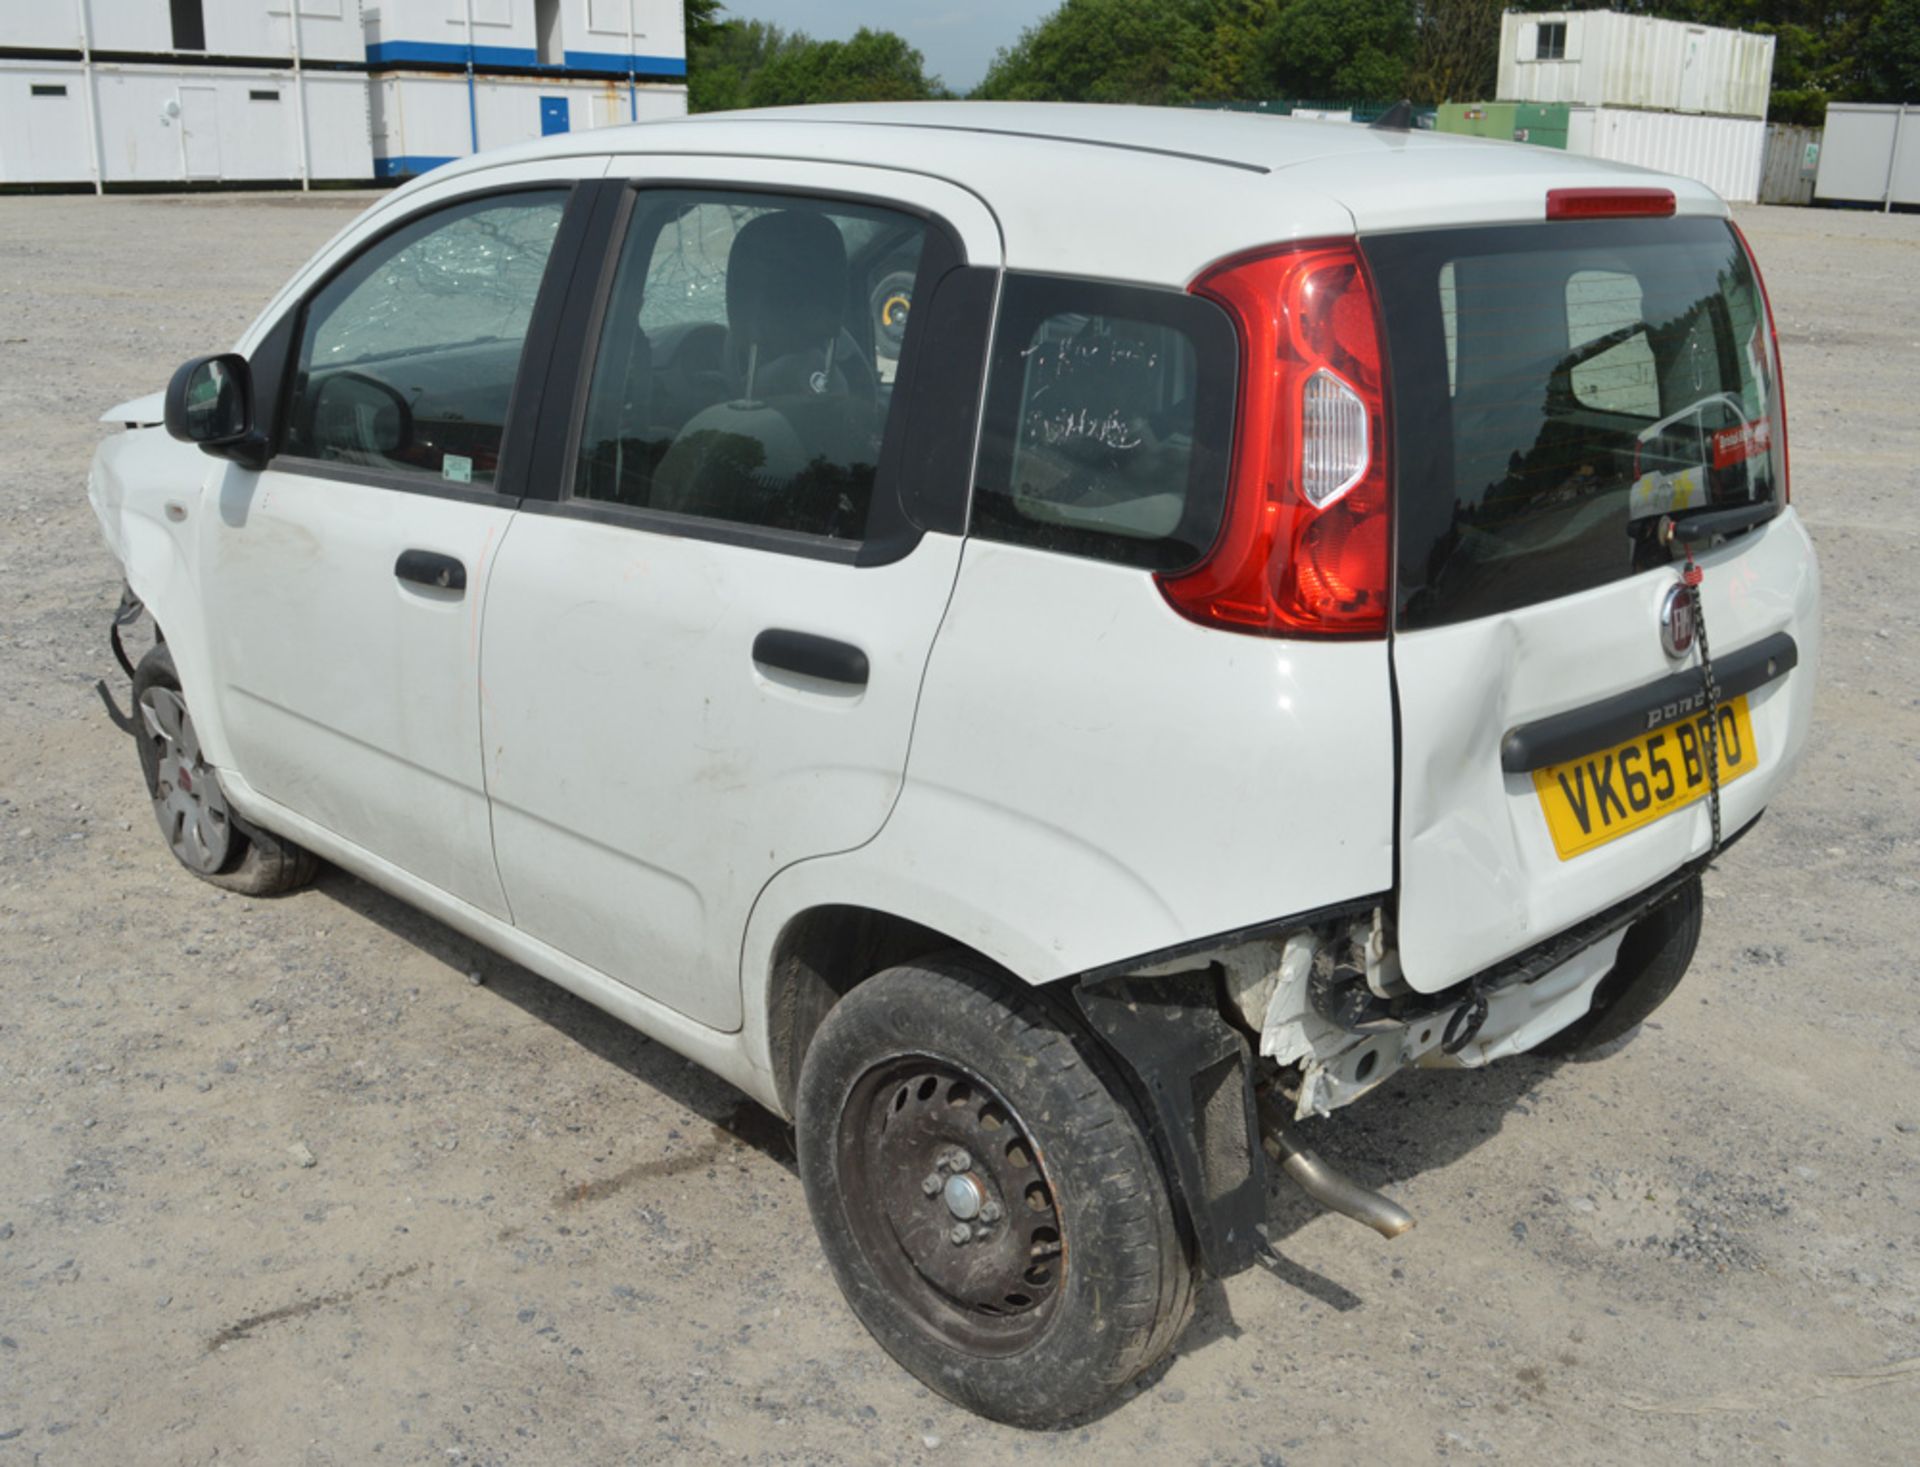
1331 1189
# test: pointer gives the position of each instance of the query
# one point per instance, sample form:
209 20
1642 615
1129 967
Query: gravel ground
280 1184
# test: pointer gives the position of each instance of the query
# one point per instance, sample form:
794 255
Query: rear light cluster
1304 548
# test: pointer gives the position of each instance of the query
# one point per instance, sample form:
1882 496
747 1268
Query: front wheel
985 1195
195 820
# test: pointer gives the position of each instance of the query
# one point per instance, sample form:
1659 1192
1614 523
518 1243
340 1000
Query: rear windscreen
1559 387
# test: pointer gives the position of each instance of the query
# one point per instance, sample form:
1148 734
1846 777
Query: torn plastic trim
130 610
1194 1073
1197 952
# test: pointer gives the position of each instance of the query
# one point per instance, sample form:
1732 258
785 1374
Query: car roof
1144 193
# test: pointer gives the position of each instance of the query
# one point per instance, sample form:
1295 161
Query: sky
958 37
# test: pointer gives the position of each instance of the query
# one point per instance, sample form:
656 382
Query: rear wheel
1653 959
195 820
986 1197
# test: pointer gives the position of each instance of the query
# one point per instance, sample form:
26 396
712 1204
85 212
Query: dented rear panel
1562 391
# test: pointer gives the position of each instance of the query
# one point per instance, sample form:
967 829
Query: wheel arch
136 476
823 953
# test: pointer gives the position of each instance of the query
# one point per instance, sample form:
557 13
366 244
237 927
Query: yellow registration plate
1598 798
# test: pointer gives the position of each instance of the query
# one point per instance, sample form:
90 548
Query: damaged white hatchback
1045 644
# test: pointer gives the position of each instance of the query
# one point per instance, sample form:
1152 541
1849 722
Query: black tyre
986 1196
1653 959
200 830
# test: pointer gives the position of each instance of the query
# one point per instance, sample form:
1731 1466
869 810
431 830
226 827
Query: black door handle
430 568
811 656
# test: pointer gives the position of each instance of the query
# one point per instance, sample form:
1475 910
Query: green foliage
1894 46
1457 55
1178 51
1339 48
703 19
749 63
1102 51
875 66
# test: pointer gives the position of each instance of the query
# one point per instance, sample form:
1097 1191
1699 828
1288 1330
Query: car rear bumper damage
1228 1046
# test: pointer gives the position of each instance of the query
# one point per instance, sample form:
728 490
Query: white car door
703 648
343 583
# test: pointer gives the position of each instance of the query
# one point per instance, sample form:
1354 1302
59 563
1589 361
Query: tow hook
1330 1188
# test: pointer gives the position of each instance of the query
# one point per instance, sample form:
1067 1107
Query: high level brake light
1304 548
1609 203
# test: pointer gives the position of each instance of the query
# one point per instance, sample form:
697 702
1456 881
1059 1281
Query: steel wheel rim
187 800
995 1292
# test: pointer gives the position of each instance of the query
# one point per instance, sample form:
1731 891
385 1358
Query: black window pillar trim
540 407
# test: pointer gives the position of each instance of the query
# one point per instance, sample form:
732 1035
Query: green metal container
1543 124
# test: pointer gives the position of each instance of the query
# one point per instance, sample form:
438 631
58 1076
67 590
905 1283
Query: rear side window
1557 388
745 373
1109 422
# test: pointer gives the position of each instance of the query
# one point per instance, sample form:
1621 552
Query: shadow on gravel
1416 1122
680 1080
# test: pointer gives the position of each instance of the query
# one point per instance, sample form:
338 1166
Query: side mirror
210 402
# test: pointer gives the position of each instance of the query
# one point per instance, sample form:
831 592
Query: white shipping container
1871 154
43 123
329 29
1724 153
421 120
166 124
1602 58
647 37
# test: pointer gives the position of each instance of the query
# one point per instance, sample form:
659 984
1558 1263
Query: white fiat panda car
1045 644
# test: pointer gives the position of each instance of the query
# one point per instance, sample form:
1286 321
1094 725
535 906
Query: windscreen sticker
456 469
1663 493
1738 444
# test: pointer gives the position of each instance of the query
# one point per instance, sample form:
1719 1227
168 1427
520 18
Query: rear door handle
430 568
811 656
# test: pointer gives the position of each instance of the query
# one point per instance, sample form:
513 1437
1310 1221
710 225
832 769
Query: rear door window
744 373
1109 419
1557 388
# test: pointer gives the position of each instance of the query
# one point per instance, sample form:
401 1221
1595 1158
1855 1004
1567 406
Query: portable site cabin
188 91
453 77
1663 94
1602 58
171 93
1871 154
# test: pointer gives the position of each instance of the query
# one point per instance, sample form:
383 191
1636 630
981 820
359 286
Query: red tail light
1609 203
1779 380
1304 548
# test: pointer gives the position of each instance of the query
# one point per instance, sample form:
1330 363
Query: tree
1894 43
874 66
1339 48
749 63
721 68
1174 51
1457 55
1101 51
703 19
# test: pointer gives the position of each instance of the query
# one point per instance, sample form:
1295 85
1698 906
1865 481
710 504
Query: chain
1693 576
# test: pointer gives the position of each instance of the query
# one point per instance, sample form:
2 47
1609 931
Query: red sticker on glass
1736 445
